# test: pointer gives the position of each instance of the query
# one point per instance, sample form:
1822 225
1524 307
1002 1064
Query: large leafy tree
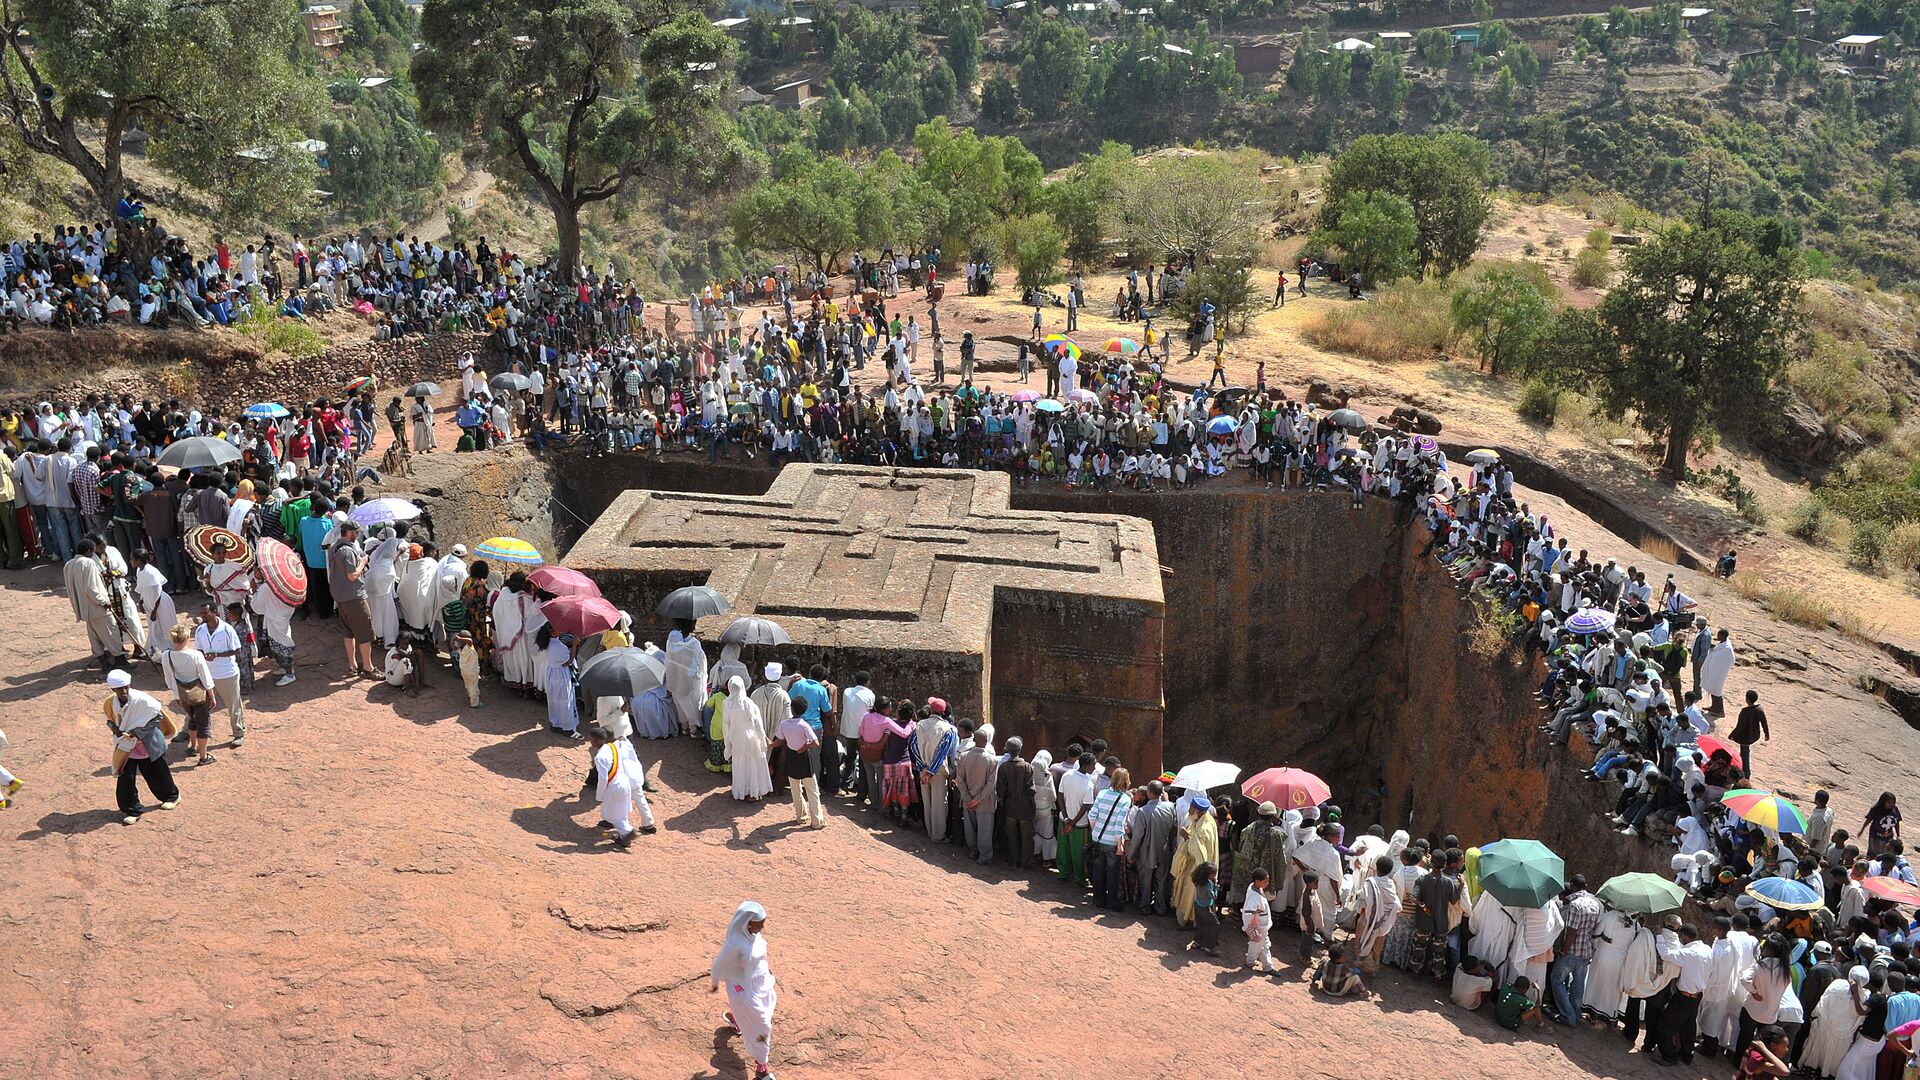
1214 206
1507 314
979 181
1375 235
1446 178
1085 201
211 83
585 97
823 208
1694 333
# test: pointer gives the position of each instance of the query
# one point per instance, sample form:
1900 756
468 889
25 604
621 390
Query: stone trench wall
1301 632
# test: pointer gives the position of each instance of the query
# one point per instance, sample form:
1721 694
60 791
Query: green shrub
1539 402
1869 544
1813 522
1903 546
1592 269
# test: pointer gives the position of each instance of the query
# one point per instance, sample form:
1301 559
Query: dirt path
465 193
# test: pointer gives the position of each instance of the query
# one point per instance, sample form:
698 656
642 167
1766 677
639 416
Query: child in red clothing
1766 1056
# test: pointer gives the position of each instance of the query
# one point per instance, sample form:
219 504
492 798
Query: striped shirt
1108 818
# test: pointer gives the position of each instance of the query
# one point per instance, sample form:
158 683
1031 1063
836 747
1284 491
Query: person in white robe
421 414
747 747
686 676
1376 906
383 580
1644 973
1714 671
1494 926
1533 943
742 971
156 605
1046 802
413 596
120 585
563 714
1318 856
618 787
1723 999
276 619
512 611
729 667
1836 1020
93 606
771 697
1606 992
449 577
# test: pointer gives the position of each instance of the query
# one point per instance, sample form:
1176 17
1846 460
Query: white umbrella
1206 775
384 511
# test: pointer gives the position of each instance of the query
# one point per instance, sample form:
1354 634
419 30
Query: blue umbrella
1785 894
1049 405
267 410
1222 425
1590 621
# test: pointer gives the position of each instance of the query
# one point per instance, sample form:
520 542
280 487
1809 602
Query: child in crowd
466 659
1337 977
1256 918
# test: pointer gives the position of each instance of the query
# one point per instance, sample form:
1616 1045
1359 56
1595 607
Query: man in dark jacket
1014 794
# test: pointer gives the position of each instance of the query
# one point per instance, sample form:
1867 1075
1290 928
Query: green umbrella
1521 873
1643 894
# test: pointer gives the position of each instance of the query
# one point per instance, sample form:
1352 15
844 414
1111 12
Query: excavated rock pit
1298 631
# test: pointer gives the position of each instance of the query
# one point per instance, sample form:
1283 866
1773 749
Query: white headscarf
737 953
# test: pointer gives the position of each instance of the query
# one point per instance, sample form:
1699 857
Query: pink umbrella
1288 789
1709 743
1023 395
561 581
1081 393
580 615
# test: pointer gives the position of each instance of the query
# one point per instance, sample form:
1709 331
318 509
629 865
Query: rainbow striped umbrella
508 550
1765 809
364 382
1062 344
1892 889
1124 346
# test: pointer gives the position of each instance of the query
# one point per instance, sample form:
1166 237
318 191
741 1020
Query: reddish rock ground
384 886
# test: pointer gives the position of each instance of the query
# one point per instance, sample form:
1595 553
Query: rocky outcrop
1799 438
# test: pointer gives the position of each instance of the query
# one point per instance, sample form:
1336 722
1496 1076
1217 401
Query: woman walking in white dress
741 969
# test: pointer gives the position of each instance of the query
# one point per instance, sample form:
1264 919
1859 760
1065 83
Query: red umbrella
283 571
1286 788
580 615
1709 743
561 581
1888 888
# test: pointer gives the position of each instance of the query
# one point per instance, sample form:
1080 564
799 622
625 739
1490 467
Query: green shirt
1510 1007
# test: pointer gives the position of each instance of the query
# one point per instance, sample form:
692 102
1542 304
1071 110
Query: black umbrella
625 672
692 602
753 630
423 389
1347 418
1232 392
509 382
199 452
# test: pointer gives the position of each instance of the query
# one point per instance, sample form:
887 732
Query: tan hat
1267 809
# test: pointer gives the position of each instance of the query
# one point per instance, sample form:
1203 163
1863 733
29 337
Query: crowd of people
1824 990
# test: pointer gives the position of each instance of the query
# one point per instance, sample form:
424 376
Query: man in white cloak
1533 942
686 675
1714 671
1376 906
1494 926
383 581
618 789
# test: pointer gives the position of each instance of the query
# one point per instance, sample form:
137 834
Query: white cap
773 671
118 678
460 549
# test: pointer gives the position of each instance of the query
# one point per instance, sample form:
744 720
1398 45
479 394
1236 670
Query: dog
398 461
